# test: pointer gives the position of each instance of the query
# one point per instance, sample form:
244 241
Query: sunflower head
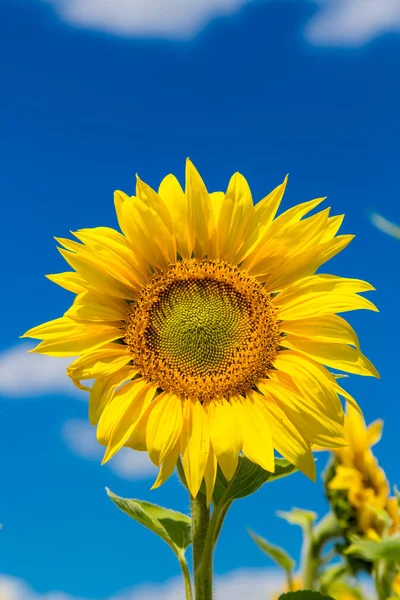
207 331
357 487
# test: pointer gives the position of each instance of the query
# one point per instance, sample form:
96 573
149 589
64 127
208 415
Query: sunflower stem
186 577
315 539
202 559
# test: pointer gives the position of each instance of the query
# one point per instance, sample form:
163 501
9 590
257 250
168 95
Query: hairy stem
202 562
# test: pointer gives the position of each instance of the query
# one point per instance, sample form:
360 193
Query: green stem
382 579
202 561
206 565
186 577
290 581
314 540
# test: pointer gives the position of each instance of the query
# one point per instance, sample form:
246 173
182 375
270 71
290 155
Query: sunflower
206 330
357 474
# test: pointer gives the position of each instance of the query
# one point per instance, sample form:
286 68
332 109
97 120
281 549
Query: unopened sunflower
358 486
206 329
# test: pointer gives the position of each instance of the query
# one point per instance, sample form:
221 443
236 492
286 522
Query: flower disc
204 329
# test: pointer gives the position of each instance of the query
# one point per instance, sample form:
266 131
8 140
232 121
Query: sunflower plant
361 533
205 338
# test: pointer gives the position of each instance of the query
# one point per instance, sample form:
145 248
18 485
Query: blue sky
88 100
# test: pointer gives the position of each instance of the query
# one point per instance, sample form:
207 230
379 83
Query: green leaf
298 516
173 527
304 595
248 478
371 551
278 555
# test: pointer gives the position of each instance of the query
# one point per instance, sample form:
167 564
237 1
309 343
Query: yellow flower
206 329
359 474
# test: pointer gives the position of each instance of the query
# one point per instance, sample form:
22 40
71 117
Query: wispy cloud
352 22
257 584
180 19
80 438
384 225
12 588
24 375
335 23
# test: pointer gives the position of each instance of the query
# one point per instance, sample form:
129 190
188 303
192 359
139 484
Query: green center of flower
203 329
197 325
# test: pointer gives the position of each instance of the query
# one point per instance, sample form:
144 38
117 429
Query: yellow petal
103 390
374 432
70 281
326 328
287 243
254 431
201 217
164 427
356 431
98 276
52 329
146 231
334 224
336 356
235 215
154 201
121 415
287 439
322 283
217 199
174 196
312 423
304 264
321 295
346 478
312 381
168 466
210 474
293 215
97 251
224 434
264 212
92 306
350 400
78 341
102 362
267 208
113 246
195 444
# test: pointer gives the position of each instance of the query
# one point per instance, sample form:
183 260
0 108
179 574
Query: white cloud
336 22
12 588
257 584
180 19
352 22
384 225
24 375
80 438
